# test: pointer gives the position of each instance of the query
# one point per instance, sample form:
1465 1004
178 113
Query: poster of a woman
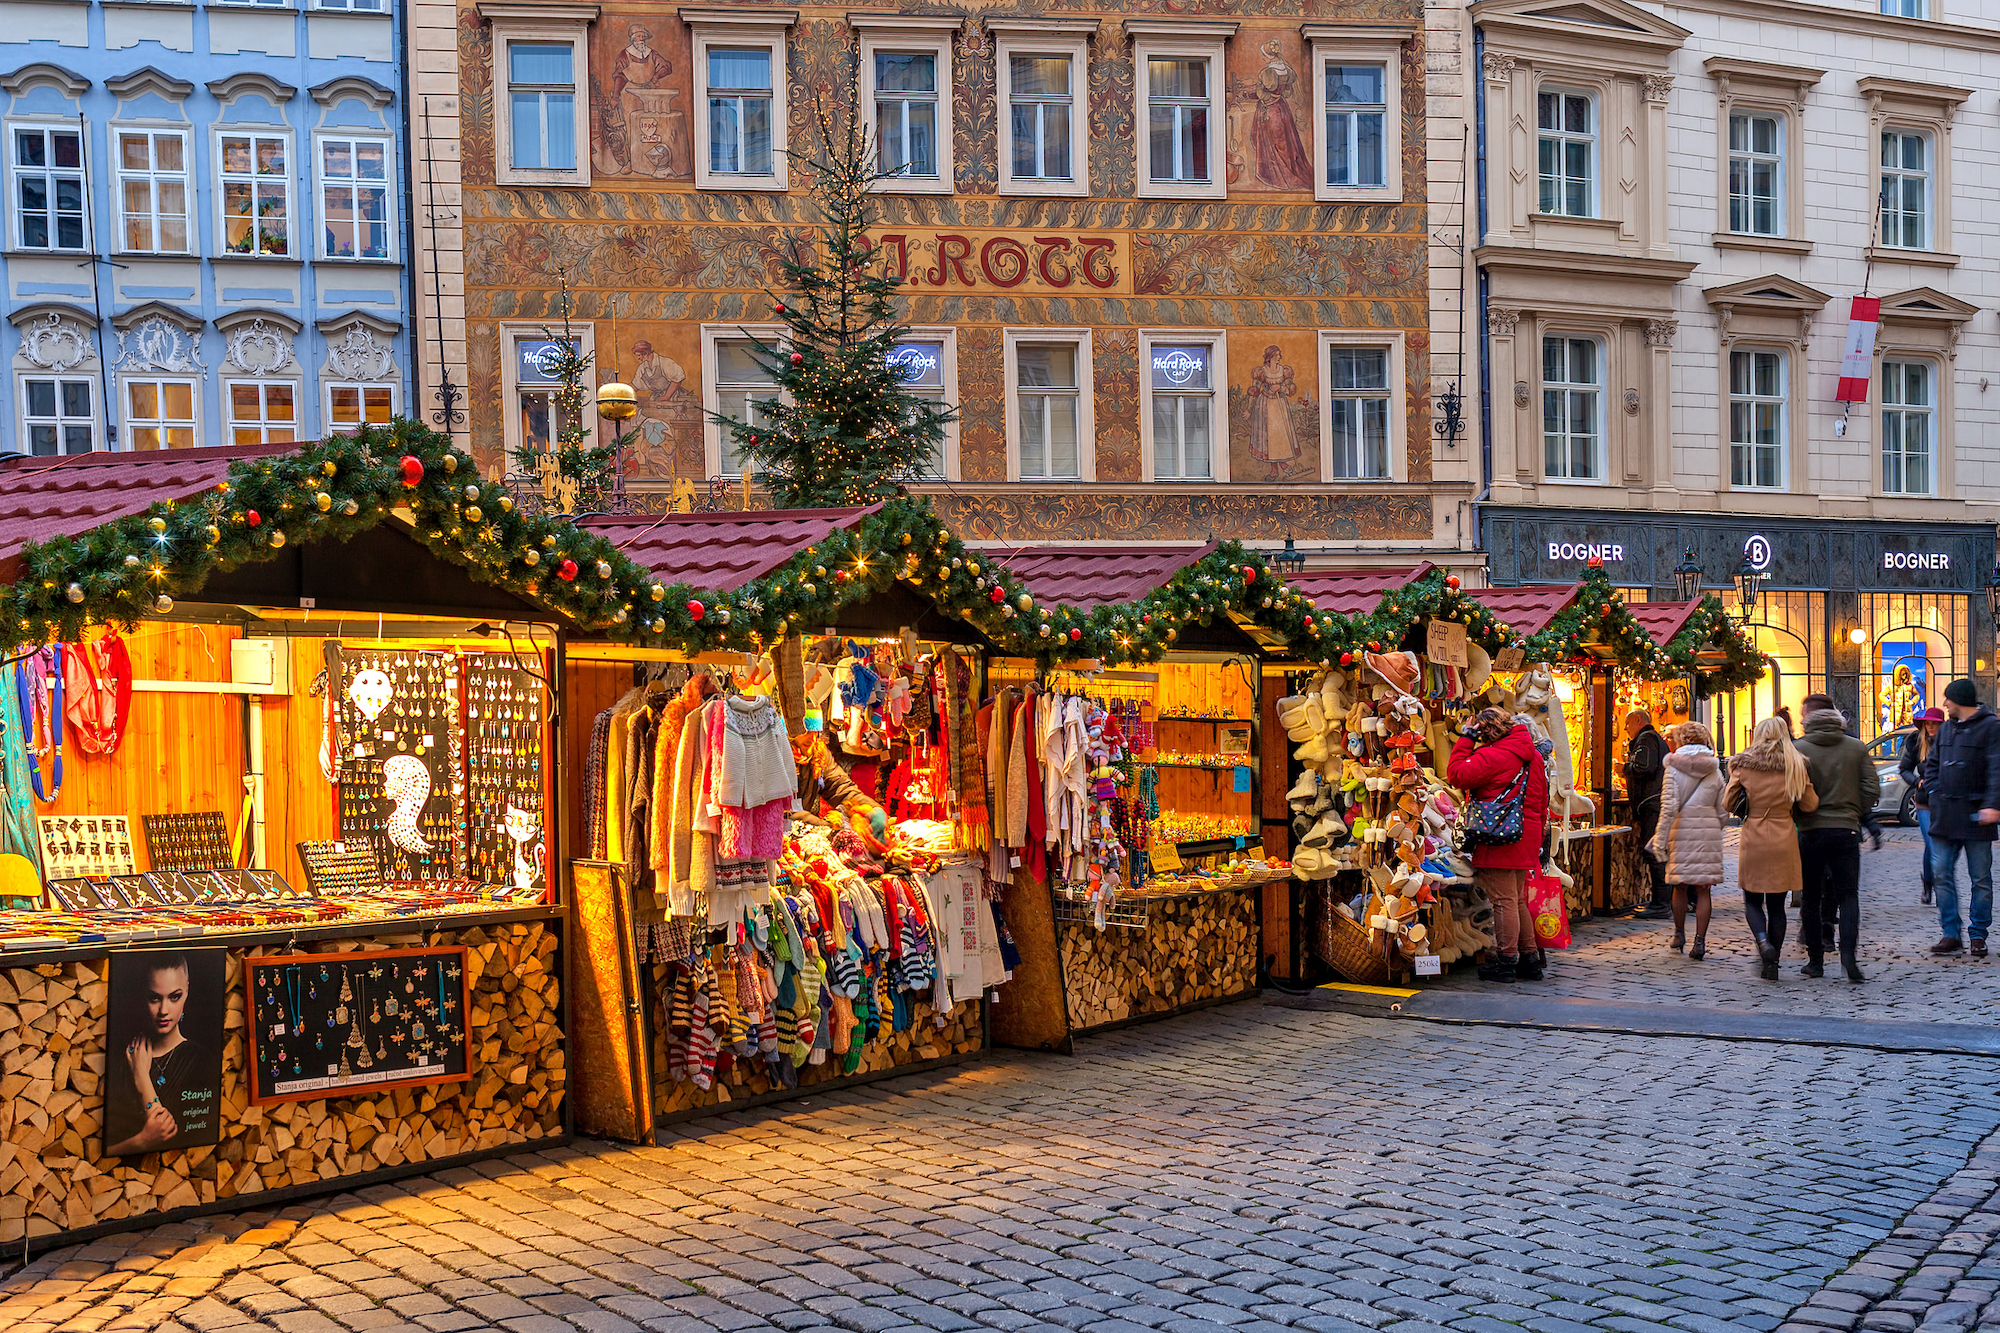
1273 439
164 1087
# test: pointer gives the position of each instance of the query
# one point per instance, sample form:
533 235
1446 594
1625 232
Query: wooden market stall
297 800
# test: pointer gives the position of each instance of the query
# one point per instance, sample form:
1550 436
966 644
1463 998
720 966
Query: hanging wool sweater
756 759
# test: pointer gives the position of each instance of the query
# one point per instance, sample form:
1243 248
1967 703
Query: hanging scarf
38 686
17 815
97 677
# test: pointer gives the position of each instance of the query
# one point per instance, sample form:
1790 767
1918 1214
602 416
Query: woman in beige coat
1689 838
1772 780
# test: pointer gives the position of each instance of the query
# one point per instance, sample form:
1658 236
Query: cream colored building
1674 207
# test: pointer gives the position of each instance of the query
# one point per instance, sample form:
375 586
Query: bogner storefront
1880 615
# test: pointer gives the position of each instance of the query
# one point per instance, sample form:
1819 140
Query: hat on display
1479 668
1400 671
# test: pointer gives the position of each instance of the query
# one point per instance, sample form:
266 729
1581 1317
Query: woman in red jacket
1492 751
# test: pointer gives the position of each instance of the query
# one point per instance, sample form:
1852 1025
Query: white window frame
121 174
1929 176
1780 170
223 180
1044 37
1930 411
1782 400
1594 137
947 337
347 6
549 24
727 29
324 223
1398 440
585 334
132 425
14 173
59 421
264 428
331 427
1180 41
1602 424
893 34
1217 341
1894 9
711 394
1086 411
1330 47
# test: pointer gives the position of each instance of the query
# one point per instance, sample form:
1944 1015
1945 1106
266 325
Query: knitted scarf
969 770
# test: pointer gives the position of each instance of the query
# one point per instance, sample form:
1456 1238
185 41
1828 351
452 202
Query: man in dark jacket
1645 764
1961 788
1844 779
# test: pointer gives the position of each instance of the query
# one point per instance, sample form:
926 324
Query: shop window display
1915 644
1789 629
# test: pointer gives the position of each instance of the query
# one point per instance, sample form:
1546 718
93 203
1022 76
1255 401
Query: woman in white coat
1689 837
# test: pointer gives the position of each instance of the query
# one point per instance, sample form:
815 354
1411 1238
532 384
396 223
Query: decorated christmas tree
574 475
846 428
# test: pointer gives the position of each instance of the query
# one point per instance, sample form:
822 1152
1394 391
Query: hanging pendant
390 1006
417 1031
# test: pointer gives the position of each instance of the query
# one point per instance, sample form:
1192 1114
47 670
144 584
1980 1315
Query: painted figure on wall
1265 147
668 416
641 129
1274 439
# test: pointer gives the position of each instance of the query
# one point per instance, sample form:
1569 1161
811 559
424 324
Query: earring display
398 725
86 846
197 840
334 868
503 725
326 1024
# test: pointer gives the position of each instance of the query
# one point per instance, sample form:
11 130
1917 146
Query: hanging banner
1857 363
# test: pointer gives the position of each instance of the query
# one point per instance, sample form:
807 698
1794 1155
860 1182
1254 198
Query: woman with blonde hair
1689 838
1768 783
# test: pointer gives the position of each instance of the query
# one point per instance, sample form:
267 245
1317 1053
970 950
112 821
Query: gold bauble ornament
506 504
473 514
277 538
324 501
157 525
531 557
163 603
212 534
329 467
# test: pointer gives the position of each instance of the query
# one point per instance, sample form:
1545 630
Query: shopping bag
1546 906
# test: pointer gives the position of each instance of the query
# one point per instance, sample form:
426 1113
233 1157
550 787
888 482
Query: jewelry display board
334 868
198 840
326 1024
398 735
503 723
93 846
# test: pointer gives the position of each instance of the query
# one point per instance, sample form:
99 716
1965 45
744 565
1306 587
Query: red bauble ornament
997 596
1451 580
1146 619
1075 634
1604 612
1309 622
798 358
1595 562
696 610
1347 659
778 308
253 518
1374 645
840 576
566 571
413 469
1249 574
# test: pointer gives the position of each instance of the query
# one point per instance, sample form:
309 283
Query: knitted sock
701 1047
844 1023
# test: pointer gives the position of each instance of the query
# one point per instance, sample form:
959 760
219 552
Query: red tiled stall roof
1662 620
723 551
1527 609
1355 592
1087 576
42 498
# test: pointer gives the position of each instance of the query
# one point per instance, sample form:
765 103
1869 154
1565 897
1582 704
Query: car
1897 801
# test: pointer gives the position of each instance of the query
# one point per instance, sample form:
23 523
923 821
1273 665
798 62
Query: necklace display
345 1016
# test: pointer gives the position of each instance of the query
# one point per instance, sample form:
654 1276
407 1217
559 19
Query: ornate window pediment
55 337
259 342
360 347
155 336
1608 21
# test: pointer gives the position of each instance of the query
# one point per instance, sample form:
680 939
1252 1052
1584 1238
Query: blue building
206 229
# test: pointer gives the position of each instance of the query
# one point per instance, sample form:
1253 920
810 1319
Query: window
1358 407
1757 411
1905 9
1046 392
256 194
739 111
153 191
354 192
349 407
1908 410
57 415
541 105
739 64
538 418
1180 378
1756 175
743 383
922 361
1177 109
159 413
1567 153
48 188
262 412
1042 79
353 6
906 113
1906 190
1572 408
1355 111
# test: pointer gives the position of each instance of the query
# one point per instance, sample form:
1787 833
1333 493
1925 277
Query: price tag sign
1444 643
1165 856
1508 660
1429 965
1242 779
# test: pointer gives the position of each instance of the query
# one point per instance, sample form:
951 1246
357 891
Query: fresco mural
649 259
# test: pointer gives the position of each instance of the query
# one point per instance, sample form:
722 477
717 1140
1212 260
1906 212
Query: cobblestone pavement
1630 961
1250 1168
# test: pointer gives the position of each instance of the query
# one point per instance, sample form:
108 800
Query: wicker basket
1342 943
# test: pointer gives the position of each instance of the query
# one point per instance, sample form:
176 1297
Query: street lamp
1687 577
1747 579
1291 561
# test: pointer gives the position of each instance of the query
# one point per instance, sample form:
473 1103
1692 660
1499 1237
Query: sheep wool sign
1444 643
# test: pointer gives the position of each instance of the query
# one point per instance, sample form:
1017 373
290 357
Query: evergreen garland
123 571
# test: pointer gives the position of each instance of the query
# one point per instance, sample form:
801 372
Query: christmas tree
847 427
573 474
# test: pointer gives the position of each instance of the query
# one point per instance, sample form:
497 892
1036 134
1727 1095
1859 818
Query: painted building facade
206 211
1674 205
1168 261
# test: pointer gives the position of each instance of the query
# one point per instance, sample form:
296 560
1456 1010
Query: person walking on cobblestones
1830 837
1771 781
1916 752
1961 788
1689 838
1645 766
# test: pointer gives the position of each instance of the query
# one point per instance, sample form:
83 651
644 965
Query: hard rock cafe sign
1005 261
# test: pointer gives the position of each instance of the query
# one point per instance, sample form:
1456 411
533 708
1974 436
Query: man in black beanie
1962 792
